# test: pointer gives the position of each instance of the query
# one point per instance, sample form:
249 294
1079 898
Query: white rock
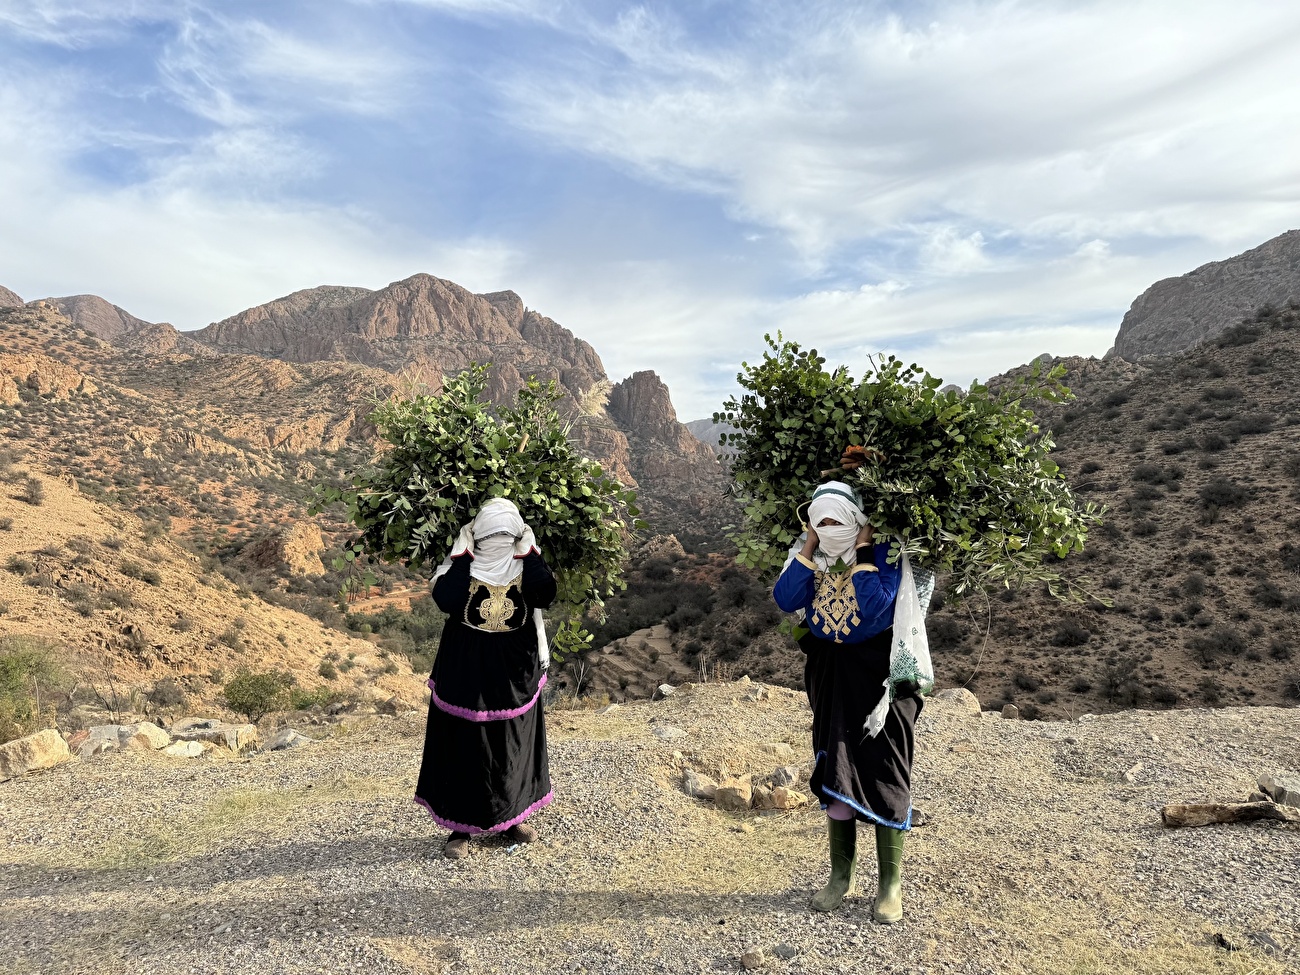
1131 775
666 690
184 749
1284 789
961 697
45 749
283 739
667 732
698 786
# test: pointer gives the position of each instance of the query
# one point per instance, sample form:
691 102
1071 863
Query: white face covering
836 541
496 529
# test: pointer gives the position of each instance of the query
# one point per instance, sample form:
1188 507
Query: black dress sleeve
538 583
451 590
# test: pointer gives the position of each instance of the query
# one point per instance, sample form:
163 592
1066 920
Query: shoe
456 847
843 842
889 894
523 833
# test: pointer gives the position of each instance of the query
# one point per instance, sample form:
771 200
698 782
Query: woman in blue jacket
845 589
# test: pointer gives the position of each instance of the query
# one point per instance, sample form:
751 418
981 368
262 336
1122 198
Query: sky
966 185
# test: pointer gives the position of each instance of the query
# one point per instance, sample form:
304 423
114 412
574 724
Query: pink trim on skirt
541 803
470 715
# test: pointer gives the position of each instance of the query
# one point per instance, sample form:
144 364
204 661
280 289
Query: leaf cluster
445 454
963 482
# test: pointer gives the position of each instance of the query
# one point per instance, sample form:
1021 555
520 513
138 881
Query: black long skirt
484 776
872 775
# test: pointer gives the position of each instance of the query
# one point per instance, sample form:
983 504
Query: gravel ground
1036 854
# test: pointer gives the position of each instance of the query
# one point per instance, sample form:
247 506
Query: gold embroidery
495 611
835 605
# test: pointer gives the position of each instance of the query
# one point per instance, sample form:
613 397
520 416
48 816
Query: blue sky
968 184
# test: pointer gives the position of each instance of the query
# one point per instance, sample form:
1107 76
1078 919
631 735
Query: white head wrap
498 538
838 501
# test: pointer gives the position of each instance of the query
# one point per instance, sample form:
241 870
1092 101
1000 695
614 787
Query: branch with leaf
445 454
963 482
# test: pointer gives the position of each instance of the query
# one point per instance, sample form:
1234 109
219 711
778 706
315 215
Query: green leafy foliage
256 695
28 673
449 453
963 483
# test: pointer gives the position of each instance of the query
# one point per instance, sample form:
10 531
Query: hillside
1041 853
1177 313
125 610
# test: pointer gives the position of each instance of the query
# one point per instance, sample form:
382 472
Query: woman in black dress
485 768
845 588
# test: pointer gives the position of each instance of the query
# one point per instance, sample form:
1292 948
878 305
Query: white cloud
1060 120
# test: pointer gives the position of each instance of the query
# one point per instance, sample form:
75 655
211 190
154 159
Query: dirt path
1037 855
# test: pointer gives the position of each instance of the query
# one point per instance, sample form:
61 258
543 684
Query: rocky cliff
1177 313
8 299
680 476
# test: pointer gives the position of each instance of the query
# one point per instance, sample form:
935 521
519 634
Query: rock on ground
43 750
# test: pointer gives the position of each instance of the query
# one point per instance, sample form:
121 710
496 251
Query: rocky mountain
120 328
425 327
8 299
1177 313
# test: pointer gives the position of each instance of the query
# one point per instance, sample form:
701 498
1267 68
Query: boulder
783 798
141 736
236 737
762 797
45 749
667 732
698 786
666 690
1010 712
963 699
734 795
752 959
1283 789
284 739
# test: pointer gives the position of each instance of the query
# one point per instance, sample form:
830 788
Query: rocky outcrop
423 326
295 548
41 376
682 480
119 327
1177 313
9 300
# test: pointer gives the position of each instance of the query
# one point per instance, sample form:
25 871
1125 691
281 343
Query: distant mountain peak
1177 313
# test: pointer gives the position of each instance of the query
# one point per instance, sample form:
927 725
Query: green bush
964 480
256 695
28 673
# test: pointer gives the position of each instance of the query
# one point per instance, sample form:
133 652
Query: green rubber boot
889 895
844 861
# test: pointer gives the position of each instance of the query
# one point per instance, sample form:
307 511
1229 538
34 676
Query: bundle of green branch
442 456
962 482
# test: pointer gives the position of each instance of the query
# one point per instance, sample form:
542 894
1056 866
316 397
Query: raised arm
451 589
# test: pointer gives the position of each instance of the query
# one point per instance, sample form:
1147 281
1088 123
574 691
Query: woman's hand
810 546
865 535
